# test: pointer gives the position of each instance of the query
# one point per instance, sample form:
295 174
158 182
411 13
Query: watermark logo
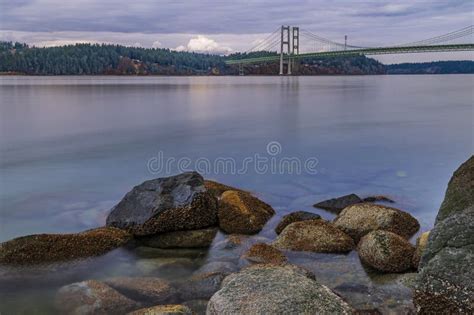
273 161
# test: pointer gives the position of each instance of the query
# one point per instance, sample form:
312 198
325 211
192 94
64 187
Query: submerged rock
273 289
181 239
173 309
421 243
315 236
200 286
360 219
217 189
386 251
337 204
148 290
242 213
92 297
295 217
264 254
225 267
378 198
166 204
49 248
198 306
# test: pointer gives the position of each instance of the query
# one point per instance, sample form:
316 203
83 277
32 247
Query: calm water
71 147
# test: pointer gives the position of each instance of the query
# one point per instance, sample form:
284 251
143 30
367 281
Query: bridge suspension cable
463 32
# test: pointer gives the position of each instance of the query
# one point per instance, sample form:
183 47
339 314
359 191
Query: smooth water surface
71 147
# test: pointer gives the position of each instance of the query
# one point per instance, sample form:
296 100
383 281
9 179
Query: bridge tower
289 46
284 44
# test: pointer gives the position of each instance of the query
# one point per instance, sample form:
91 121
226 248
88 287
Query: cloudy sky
222 26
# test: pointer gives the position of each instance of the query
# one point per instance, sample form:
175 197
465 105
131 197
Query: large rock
181 239
167 204
92 297
49 248
295 217
386 251
241 213
337 204
147 290
460 192
445 284
421 243
273 289
217 189
262 253
315 236
360 219
172 309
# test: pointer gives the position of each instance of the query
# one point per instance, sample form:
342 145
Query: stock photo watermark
272 161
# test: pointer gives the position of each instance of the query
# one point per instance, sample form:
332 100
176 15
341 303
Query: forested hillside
94 59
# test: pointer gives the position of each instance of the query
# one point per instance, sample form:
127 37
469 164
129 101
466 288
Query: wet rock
150 266
460 192
49 248
295 217
445 283
181 239
217 189
173 309
386 251
197 306
264 254
274 289
233 241
92 297
200 286
314 236
166 204
337 204
225 267
360 219
378 198
149 290
421 243
242 213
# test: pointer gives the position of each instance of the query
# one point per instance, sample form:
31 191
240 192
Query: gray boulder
460 192
445 283
274 289
167 204
295 217
337 204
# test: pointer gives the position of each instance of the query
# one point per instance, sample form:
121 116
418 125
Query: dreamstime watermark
272 162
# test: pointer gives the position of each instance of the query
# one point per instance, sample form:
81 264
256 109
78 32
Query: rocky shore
187 213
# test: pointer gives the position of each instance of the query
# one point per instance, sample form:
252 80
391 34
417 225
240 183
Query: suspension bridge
286 39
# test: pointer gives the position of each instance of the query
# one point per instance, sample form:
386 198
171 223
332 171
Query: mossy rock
314 236
295 217
460 192
386 251
172 309
262 253
359 219
50 248
242 213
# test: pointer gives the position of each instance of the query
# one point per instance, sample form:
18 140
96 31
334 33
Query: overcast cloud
226 26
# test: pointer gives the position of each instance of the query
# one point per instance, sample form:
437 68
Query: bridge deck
363 51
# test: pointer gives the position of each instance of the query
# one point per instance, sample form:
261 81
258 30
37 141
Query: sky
225 26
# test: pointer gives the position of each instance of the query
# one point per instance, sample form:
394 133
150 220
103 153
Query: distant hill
438 67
